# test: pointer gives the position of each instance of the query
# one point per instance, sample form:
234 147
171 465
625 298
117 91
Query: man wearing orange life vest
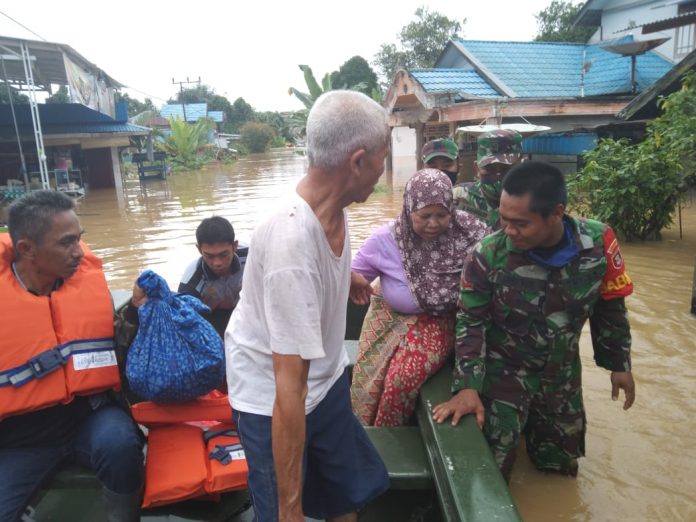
57 363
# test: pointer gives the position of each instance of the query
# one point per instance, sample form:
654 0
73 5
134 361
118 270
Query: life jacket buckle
46 362
220 454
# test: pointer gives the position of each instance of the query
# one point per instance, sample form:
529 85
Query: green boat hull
438 473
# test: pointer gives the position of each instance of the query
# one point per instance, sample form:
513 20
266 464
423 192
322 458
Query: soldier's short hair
30 216
543 181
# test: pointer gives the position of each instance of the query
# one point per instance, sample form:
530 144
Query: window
684 40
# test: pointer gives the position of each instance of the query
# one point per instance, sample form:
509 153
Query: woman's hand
360 289
138 298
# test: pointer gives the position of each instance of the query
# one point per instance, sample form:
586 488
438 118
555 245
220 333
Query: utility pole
181 91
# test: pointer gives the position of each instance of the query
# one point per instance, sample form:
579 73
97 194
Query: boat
438 472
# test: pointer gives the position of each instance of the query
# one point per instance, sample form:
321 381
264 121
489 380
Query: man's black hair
543 181
30 216
214 229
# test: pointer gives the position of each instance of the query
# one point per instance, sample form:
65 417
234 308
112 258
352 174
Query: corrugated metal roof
63 118
95 128
555 70
217 116
454 81
194 111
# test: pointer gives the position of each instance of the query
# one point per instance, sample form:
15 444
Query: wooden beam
479 110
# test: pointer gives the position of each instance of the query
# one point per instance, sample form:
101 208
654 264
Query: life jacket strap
221 453
50 360
211 434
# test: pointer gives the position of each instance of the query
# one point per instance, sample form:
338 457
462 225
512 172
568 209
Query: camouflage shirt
519 323
469 198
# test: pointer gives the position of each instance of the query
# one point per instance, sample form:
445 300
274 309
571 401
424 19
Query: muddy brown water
640 464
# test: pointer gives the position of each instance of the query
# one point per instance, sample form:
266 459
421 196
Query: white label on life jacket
87 361
237 455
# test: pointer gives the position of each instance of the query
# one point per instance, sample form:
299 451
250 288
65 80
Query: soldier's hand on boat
138 298
462 403
623 381
360 289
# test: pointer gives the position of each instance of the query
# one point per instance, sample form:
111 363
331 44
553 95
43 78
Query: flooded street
640 465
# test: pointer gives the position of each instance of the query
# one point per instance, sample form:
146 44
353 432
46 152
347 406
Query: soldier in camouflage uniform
498 151
526 292
443 155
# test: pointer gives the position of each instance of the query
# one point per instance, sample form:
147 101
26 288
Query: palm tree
298 121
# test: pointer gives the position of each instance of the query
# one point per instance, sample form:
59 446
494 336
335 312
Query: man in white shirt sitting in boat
286 364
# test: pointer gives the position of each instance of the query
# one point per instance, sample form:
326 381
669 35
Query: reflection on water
640 465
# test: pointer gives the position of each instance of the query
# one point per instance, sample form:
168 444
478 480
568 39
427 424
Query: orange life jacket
54 347
212 407
187 461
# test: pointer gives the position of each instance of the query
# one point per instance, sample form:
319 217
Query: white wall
404 155
616 18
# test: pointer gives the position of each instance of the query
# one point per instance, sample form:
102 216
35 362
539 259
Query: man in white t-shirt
286 364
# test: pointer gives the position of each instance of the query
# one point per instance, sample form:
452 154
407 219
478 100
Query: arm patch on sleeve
616 282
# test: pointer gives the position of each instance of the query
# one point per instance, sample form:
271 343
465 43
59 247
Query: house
674 20
192 112
570 87
80 138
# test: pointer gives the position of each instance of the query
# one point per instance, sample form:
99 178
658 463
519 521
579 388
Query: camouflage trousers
555 436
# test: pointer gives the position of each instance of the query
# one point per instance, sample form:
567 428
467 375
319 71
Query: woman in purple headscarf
408 331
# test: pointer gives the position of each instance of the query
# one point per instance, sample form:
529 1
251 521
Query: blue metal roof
570 144
550 69
217 116
194 111
63 118
454 80
95 128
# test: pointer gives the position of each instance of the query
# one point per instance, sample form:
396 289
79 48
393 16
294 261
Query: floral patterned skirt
397 353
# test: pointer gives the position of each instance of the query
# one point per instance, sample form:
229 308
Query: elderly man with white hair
286 364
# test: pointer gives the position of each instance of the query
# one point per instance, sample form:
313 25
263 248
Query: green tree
635 187
420 43
135 106
554 23
60 96
355 72
257 137
240 113
277 121
17 97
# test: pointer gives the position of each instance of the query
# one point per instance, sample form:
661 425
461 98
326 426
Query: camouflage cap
499 146
442 147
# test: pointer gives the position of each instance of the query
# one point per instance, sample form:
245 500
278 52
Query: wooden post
420 141
693 291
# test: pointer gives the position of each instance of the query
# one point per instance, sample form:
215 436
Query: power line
146 94
23 26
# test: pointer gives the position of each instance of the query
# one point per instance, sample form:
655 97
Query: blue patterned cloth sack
176 355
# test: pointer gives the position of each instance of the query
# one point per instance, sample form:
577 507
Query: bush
257 137
635 187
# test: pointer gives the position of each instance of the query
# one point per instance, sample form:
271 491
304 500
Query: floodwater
640 465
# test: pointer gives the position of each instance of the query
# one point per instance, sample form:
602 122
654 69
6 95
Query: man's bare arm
288 433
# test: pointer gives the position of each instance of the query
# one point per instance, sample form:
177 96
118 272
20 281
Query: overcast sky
244 48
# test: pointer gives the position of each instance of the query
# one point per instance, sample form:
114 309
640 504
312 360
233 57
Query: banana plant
186 141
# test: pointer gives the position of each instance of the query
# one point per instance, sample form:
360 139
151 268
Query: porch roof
64 119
